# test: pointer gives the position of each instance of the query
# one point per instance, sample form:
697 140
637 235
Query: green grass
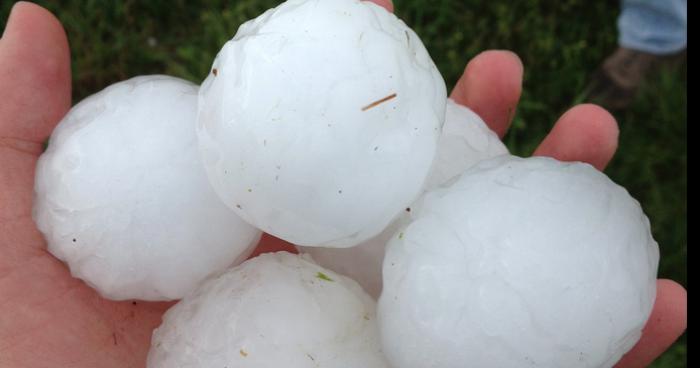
561 43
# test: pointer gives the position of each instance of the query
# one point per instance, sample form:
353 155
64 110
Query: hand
49 319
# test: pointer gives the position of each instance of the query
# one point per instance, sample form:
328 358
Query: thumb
35 90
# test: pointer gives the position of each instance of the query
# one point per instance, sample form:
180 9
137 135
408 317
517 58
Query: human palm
49 319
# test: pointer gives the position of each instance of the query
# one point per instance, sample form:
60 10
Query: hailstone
465 141
521 262
275 310
122 197
320 120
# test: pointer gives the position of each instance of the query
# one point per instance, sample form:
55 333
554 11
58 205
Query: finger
586 133
491 87
34 95
270 244
667 322
34 74
386 4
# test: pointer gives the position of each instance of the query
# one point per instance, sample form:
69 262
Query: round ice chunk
521 262
122 197
276 310
465 141
320 119
363 262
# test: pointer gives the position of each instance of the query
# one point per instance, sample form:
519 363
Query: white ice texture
519 263
276 310
465 141
320 121
122 197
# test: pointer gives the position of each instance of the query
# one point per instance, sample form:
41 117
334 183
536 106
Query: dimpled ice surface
520 262
465 141
320 119
276 310
122 197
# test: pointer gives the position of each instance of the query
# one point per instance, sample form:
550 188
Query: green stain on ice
323 276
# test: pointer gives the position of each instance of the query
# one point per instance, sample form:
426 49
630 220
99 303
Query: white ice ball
521 262
122 197
465 141
363 262
320 120
276 310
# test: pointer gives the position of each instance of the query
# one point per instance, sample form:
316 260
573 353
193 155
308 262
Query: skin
49 319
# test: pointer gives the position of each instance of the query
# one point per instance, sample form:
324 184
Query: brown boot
617 81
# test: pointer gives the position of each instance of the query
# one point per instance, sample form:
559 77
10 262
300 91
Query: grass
561 43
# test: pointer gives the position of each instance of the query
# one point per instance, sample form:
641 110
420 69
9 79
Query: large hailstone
122 197
276 310
465 141
521 262
319 121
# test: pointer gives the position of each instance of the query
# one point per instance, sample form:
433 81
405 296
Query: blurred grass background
561 43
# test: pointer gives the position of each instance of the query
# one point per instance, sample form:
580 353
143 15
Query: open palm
49 319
